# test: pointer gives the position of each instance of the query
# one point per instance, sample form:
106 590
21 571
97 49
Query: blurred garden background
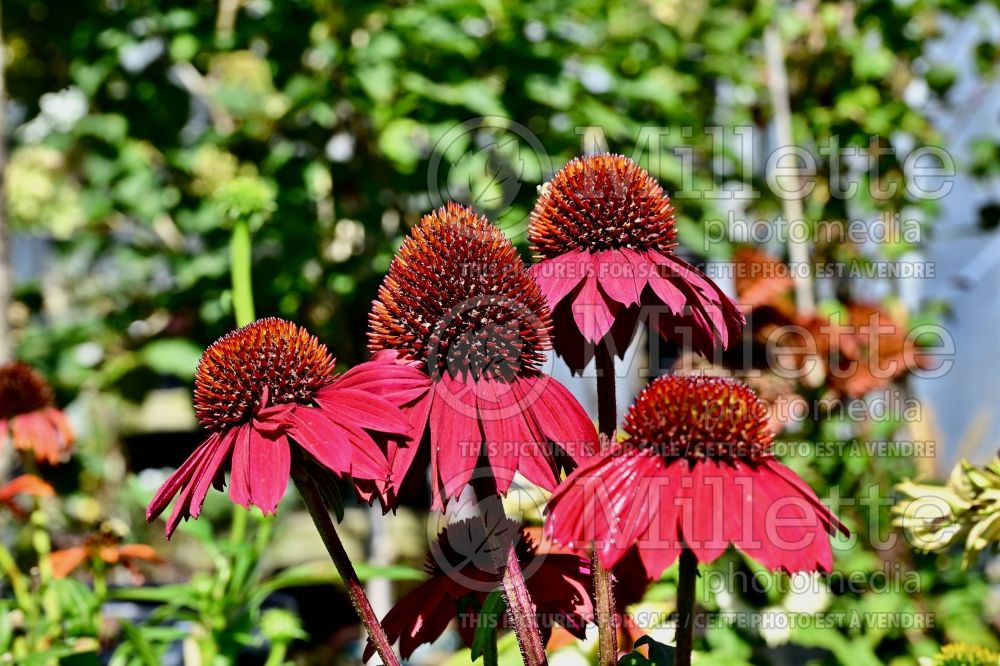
133 130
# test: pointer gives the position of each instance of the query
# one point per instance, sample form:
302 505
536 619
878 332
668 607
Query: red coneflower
603 232
26 484
695 472
462 573
29 417
265 385
458 302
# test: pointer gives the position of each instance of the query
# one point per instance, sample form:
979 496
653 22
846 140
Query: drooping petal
325 441
560 416
704 519
384 376
239 479
419 617
560 275
402 454
26 484
192 480
180 477
365 410
502 437
605 502
622 274
270 462
456 439
593 311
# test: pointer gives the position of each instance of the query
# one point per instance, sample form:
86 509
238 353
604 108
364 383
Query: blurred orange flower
104 547
26 484
28 415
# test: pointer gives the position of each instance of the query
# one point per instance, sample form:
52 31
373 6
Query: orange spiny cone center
601 202
458 298
270 354
694 417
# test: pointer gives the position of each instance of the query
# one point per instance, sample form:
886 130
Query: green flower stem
327 530
241 273
686 577
240 256
607 425
17 582
276 656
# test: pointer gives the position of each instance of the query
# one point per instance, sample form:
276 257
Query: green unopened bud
281 626
249 198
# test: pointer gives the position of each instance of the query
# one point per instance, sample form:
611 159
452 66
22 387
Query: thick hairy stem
519 604
607 424
327 530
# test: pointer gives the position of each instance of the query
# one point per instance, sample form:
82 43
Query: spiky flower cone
269 385
603 232
459 303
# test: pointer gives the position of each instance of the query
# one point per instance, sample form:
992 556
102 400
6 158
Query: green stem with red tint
313 500
607 425
686 577
515 590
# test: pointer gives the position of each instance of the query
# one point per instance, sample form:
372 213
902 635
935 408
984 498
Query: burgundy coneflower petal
459 303
269 386
28 415
603 231
463 573
696 471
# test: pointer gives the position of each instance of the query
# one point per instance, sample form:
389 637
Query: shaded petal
179 478
402 453
208 469
419 617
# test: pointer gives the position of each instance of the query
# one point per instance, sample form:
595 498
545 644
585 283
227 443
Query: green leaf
485 642
172 356
659 654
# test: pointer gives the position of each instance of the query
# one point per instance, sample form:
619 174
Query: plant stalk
686 577
241 272
607 425
515 590
313 500
241 277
